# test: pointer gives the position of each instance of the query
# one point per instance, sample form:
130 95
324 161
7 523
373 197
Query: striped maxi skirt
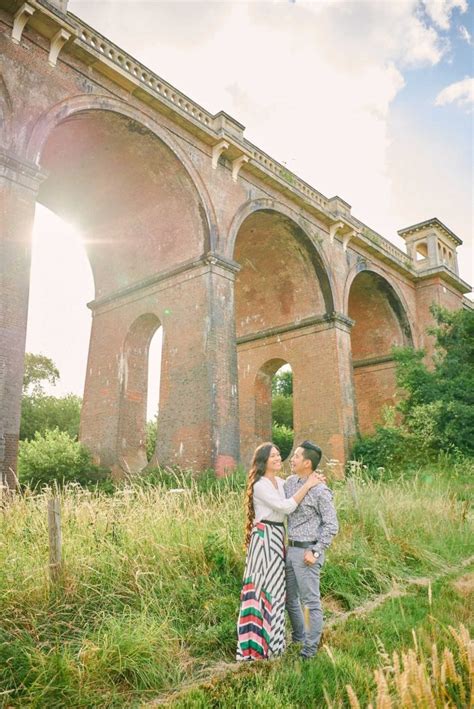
261 622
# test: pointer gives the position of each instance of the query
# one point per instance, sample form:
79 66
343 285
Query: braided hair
257 470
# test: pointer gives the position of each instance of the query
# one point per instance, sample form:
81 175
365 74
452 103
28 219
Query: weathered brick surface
379 323
17 204
242 274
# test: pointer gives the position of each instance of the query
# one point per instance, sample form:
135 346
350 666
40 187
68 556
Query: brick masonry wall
16 219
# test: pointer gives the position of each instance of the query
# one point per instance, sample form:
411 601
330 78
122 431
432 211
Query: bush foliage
41 413
55 457
151 433
283 437
282 410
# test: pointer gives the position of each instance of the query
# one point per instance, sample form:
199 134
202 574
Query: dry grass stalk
353 701
412 681
383 693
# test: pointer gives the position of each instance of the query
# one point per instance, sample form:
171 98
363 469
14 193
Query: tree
40 412
38 369
282 410
282 383
443 397
43 413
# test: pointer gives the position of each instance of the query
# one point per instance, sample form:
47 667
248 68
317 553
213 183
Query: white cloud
440 11
421 45
373 30
465 34
461 93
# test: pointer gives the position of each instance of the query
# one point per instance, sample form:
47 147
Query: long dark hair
257 470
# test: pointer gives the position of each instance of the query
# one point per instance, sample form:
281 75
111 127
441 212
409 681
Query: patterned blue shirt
315 517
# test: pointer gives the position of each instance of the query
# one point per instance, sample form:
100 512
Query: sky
371 100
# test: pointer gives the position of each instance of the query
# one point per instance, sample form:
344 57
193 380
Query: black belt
274 524
301 545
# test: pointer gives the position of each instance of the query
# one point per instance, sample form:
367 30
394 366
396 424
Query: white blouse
270 503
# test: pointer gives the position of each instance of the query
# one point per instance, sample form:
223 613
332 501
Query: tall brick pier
190 227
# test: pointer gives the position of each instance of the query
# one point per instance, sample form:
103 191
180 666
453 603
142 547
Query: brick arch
136 206
80 104
394 294
380 322
296 264
133 381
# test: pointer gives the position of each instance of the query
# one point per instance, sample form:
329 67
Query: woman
261 623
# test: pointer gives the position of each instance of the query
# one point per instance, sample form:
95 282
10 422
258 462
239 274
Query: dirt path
218 671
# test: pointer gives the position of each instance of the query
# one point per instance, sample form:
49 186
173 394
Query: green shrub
283 437
386 447
151 433
55 457
282 410
40 413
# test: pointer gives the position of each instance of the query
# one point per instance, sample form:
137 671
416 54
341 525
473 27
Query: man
311 528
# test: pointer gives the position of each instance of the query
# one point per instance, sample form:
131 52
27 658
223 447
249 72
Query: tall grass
365 659
151 581
410 679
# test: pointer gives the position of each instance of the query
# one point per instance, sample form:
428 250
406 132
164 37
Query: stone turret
430 244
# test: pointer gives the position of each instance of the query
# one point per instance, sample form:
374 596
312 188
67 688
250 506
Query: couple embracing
275 576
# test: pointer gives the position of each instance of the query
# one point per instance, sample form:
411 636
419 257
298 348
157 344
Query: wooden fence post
54 525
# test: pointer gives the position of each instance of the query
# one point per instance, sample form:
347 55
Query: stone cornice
446 274
209 262
321 321
435 223
23 173
372 361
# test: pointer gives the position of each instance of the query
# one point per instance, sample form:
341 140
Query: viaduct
190 227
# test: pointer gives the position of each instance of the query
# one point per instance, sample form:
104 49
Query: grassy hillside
149 595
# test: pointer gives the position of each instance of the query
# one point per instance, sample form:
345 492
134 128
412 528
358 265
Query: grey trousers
302 590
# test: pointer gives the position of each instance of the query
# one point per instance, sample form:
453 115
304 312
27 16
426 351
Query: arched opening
134 377
263 399
140 215
153 391
380 322
282 410
282 295
421 251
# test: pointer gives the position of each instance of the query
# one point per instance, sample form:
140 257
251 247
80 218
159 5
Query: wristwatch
316 554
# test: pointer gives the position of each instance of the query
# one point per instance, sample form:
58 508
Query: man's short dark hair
311 452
